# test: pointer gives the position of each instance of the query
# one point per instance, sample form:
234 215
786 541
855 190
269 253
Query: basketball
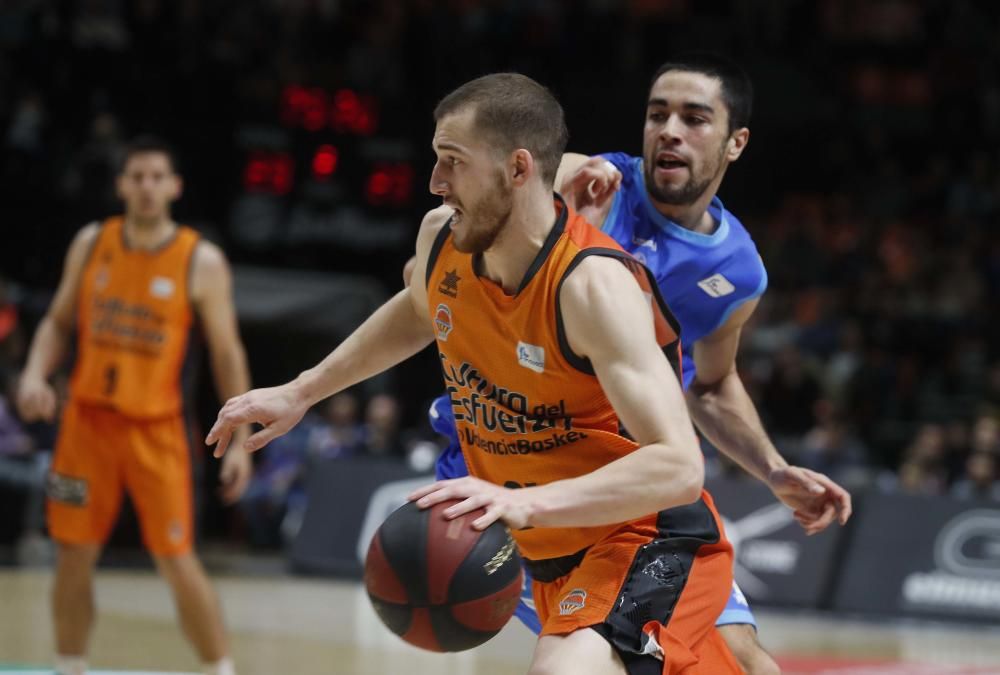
440 584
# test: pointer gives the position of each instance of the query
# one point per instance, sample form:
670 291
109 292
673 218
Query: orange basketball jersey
133 322
527 409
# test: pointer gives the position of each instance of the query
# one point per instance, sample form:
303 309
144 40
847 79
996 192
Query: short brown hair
145 144
514 112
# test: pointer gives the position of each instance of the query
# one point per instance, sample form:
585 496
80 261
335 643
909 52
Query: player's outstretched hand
36 399
815 499
501 503
591 186
277 409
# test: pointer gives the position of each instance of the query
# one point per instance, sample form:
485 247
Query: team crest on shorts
442 321
573 601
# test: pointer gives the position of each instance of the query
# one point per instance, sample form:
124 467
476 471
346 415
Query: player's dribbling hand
815 499
500 503
277 409
36 399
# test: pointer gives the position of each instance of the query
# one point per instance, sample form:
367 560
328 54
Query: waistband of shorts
550 569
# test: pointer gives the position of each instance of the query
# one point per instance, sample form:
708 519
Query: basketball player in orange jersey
131 289
550 337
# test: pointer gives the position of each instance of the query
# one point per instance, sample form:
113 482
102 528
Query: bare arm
720 405
396 331
35 398
212 296
724 412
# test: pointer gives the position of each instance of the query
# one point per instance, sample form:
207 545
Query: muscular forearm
391 335
728 418
48 349
646 481
229 368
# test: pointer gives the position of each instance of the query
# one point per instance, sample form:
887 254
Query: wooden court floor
287 625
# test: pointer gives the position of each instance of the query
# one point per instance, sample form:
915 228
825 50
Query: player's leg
197 606
84 496
582 652
158 477
738 627
73 598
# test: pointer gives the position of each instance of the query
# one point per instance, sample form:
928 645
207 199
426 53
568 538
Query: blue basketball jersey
703 277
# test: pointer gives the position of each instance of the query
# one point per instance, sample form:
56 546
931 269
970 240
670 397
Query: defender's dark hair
514 111
737 89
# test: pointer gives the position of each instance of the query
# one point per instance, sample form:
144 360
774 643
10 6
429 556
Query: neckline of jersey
668 226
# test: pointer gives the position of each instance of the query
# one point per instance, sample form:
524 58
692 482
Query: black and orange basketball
439 584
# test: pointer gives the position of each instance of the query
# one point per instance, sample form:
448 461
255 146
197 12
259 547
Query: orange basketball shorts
101 453
653 589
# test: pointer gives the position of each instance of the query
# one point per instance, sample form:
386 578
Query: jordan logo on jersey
717 286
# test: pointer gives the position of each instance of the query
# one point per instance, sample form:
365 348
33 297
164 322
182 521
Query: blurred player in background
133 289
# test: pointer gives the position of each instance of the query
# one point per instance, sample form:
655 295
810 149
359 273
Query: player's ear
737 143
522 166
178 188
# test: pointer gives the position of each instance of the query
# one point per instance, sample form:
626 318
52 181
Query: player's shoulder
209 254
84 241
88 234
435 219
595 276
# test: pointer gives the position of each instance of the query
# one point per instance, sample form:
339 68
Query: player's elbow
690 481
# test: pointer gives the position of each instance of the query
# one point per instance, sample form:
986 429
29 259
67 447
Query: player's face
148 185
469 176
686 141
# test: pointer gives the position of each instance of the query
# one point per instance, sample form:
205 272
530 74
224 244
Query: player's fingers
465 506
436 497
827 517
492 515
222 439
426 490
262 437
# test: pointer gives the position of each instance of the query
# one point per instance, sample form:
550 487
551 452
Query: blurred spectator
275 502
340 433
832 448
980 480
381 430
790 395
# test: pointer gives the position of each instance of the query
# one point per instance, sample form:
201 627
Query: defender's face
685 138
469 176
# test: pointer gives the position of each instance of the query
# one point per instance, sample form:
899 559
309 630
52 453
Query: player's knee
77 557
178 568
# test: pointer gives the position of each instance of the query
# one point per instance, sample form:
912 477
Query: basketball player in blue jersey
664 209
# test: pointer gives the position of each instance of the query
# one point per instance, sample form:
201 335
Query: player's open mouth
669 161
